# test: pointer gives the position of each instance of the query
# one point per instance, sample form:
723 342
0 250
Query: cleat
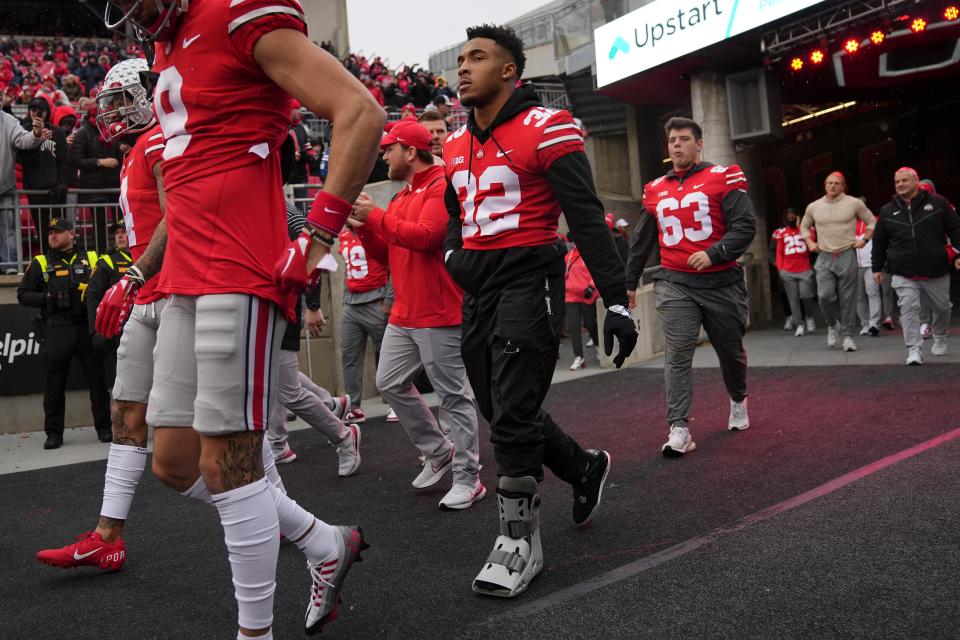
679 442
90 550
392 416
328 576
516 557
341 407
285 455
348 452
578 363
356 416
463 496
738 420
587 494
433 469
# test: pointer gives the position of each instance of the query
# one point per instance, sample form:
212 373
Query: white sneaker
739 420
348 451
590 343
849 344
832 337
578 363
915 356
462 496
865 331
939 347
433 470
788 324
392 416
811 325
925 331
679 442
341 407
799 332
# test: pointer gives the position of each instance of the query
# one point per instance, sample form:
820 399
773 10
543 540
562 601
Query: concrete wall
327 20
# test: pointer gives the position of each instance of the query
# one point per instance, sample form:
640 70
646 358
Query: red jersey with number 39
792 252
505 198
140 201
361 271
689 212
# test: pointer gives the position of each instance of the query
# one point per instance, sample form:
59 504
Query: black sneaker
586 495
53 442
105 435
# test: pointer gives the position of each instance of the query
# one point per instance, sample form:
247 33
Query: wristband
329 213
134 273
315 235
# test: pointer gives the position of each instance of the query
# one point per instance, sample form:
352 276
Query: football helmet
116 17
124 104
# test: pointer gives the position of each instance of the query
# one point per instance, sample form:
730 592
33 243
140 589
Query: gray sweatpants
936 291
306 400
438 350
798 287
837 287
357 322
869 301
723 315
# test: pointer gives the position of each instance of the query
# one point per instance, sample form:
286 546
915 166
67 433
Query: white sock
199 492
125 467
267 636
270 468
295 521
249 518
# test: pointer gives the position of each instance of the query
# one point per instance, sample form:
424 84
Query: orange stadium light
796 64
877 37
852 45
951 13
817 56
918 25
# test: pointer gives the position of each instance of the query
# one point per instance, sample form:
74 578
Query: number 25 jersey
689 212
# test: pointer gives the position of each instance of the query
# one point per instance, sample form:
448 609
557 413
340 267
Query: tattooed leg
231 461
129 423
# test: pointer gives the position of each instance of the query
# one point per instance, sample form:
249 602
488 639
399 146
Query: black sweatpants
581 315
510 346
62 343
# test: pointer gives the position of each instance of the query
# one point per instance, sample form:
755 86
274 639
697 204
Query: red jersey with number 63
361 271
505 198
689 212
140 201
792 252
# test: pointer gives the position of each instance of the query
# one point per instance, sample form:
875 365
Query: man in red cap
424 325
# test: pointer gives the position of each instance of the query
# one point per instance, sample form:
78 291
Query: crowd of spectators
407 87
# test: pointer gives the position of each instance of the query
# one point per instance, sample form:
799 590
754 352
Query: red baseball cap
409 133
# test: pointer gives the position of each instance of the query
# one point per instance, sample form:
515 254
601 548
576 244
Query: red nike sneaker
90 550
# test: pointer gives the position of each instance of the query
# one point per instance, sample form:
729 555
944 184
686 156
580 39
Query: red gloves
328 213
114 309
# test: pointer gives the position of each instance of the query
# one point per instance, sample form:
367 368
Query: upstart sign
665 30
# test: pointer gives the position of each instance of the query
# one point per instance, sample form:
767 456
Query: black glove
621 324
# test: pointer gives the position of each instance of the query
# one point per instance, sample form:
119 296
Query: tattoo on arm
243 462
152 259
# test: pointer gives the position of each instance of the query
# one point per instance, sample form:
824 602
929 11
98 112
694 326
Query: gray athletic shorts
215 363
135 353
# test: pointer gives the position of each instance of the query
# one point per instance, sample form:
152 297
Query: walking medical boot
516 557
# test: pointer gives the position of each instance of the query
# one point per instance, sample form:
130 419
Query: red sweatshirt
408 236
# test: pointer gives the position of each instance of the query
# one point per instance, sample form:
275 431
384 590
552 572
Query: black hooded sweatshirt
481 271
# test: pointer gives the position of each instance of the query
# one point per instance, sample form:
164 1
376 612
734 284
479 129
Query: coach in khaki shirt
835 216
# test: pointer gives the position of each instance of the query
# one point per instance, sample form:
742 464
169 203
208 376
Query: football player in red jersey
705 222
793 266
510 171
226 251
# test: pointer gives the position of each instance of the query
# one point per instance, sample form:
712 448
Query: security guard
55 283
110 268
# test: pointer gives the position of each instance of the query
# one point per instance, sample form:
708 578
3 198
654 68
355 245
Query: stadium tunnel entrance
861 87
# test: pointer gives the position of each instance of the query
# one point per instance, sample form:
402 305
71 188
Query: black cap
60 224
117 224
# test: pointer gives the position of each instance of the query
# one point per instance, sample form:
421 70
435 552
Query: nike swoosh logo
329 210
500 154
699 185
81 556
189 41
289 260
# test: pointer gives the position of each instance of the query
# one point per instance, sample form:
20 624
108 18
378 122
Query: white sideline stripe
681 549
259 13
558 127
548 143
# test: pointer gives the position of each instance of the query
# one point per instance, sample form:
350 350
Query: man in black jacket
909 244
510 171
45 169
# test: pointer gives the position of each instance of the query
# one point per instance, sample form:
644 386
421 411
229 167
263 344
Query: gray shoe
939 347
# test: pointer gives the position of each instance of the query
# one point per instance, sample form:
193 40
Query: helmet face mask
123 106
116 18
